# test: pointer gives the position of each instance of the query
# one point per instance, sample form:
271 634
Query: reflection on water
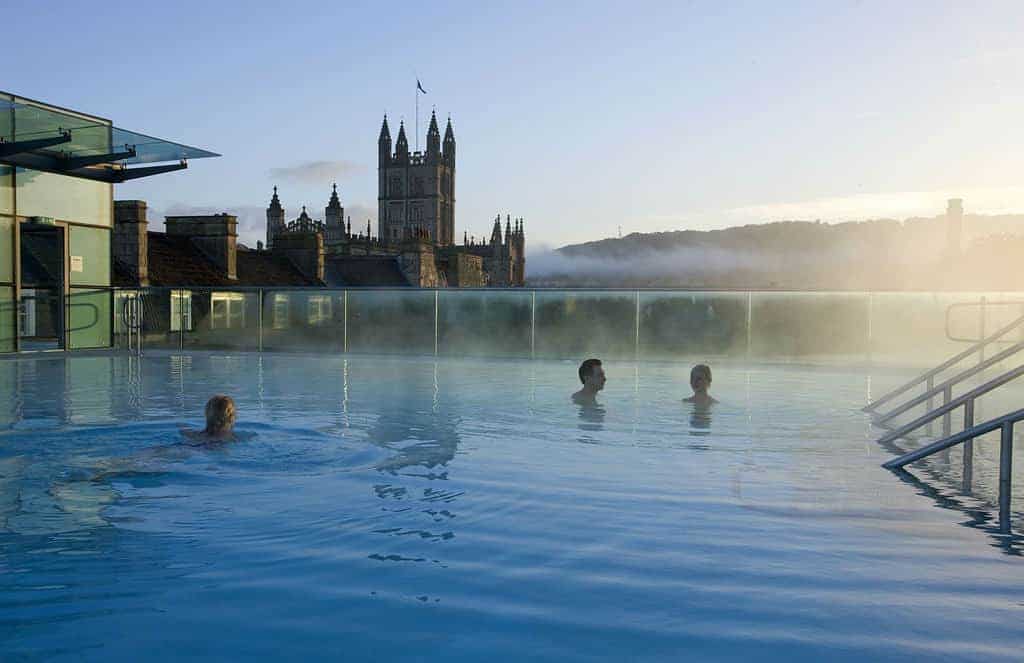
700 418
403 492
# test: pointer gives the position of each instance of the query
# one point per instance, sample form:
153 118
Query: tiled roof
259 268
363 271
175 262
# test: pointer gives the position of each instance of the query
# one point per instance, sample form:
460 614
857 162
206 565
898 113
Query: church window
396 186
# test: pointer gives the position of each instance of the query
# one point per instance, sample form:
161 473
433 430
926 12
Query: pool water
413 510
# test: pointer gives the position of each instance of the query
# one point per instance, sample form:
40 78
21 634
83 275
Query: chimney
215 235
129 238
305 250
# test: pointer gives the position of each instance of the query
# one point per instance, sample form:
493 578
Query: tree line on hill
882 254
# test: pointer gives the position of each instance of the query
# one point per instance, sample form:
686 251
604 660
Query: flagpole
417 115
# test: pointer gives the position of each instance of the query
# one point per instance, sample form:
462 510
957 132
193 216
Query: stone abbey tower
416 192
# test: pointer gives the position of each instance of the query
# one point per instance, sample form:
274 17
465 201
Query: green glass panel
6 250
484 323
6 189
63 198
89 256
692 324
89 319
581 324
7 318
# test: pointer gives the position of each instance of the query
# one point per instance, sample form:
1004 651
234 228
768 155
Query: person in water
592 376
700 382
220 420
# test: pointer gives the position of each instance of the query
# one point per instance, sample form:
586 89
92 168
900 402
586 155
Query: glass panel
304 320
807 325
121 316
676 324
64 198
7 250
89 256
391 321
911 328
41 319
218 319
6 190
574 324
91 135
89 319
8 319
481 322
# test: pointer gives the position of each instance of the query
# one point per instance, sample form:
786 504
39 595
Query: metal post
344 327
981 329
871 310
533 324
1005 471
636 337
750 309
259 317
929 385
435 322
181 319
968 471
947 396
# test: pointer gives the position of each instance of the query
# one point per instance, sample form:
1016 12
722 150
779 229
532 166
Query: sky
584 118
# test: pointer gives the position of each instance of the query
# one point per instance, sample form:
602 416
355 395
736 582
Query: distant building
414 244
954 226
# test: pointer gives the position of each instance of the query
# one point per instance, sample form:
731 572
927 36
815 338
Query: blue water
413 510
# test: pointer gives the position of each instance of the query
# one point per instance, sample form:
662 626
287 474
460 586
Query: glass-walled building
58 169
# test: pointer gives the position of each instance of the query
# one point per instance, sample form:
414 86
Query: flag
420 87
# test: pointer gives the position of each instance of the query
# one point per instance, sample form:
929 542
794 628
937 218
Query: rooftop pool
413 509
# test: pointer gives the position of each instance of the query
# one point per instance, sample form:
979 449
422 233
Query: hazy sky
580 117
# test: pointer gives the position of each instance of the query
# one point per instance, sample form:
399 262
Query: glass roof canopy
36 136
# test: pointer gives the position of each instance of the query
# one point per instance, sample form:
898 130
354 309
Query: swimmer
700 381
593 379
220 421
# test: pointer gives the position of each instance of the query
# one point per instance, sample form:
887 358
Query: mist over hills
880 254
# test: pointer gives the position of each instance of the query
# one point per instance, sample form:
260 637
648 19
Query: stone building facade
414 244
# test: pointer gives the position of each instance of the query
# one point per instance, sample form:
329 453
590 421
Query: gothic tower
416 192
334 221
275 219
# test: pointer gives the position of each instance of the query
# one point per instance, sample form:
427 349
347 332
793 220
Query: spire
508 228
402 145
334 203
433 139
384 144
275 202
496 232
449 144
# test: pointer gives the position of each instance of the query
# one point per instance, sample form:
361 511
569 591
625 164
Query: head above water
220 415
700 377
592 374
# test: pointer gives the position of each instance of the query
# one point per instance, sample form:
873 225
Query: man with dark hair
592 377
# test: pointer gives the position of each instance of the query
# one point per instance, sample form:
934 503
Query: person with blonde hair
700 382
220 420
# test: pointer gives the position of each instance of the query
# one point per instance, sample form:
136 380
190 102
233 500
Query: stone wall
130 243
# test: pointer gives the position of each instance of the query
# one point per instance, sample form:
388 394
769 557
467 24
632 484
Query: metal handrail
1005 425
943 386
966 400
930 374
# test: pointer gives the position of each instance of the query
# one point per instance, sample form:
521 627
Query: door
41 295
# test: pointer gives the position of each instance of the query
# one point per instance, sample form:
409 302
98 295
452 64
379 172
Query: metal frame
1005 425
928 377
